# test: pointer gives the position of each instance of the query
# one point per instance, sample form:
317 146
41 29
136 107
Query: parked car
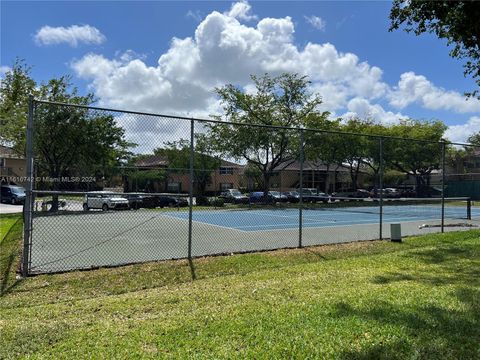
350 193
292 196
233 196
277 196
408 193
104 200
312 195
141 200
12 194
258 197
170 201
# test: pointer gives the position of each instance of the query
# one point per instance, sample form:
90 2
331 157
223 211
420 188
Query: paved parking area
10 209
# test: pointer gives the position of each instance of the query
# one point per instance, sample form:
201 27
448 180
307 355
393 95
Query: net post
443 186
300 208
28 206
380 193
190 195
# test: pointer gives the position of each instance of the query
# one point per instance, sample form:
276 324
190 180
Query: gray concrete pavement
10 209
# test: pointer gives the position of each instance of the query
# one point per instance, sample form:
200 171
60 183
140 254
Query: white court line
341 223
206 223
280 227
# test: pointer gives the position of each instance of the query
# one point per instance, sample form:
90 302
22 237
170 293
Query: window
226 170
2 162
226 186
173 187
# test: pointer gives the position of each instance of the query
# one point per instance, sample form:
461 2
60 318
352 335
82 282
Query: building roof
311 165
152 161
230 164
8 152
162 161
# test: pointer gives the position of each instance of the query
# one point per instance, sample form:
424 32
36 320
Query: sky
167 57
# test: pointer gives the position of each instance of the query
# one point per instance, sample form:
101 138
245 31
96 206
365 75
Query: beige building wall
13 170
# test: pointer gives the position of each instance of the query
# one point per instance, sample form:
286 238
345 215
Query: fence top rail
104 192
378 137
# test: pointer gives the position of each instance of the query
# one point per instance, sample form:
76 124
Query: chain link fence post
190 195
28 206
300 208
443 186
380 185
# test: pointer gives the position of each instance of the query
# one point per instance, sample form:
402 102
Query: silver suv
104 200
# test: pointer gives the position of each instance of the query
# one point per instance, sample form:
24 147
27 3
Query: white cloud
223 50
316 21
4 70
195 15
460 133
413 88
241 10
361 108
72 35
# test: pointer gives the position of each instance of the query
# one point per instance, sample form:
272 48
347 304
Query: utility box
396 232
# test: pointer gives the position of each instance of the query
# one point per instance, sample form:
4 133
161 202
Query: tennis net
422 208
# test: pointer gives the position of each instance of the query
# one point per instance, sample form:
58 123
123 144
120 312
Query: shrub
217 202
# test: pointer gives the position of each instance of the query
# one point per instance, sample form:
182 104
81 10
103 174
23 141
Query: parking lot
10 209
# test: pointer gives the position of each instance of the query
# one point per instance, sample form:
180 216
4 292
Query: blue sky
166 57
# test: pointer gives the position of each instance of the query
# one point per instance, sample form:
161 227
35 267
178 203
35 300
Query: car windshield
236 193
274 193
294 193
18 190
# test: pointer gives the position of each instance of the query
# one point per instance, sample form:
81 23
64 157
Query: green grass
419 299
11 226
6 222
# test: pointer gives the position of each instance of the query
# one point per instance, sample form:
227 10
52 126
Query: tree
323 148
372 158
456 21
474 139
416 158
14 91
354 149
178 155
70 141
282 101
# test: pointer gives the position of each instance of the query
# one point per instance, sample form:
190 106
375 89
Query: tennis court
278 219
79 240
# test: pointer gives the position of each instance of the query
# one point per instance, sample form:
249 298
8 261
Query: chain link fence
108 187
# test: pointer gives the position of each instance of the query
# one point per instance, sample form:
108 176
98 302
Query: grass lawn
419 299
6 222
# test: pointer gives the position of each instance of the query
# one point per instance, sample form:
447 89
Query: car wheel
85 207
13 201
105 207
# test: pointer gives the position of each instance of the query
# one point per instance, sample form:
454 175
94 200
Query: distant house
13 166
315 175
228 175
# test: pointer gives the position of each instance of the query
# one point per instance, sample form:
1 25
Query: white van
104 200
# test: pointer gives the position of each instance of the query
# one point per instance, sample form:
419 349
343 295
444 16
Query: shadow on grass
391 351
10 257
435 332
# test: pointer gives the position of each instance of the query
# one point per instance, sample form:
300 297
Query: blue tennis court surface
279 219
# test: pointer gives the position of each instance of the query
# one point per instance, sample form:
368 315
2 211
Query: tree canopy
68 141
16 87
204 163
456 21
282 101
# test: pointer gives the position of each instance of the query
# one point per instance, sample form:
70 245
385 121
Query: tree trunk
327 179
